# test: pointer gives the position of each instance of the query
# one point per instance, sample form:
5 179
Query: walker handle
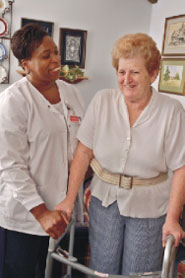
169 257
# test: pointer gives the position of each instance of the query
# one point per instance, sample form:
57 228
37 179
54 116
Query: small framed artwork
48 26
172 76
72 47
174 36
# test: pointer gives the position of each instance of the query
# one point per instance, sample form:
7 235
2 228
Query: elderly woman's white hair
132 45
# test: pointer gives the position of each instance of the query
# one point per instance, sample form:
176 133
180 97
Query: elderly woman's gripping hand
66 206
176 203
173 228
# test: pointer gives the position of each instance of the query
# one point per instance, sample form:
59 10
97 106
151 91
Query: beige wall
105 21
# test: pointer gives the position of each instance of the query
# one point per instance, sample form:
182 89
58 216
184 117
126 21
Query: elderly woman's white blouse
155 144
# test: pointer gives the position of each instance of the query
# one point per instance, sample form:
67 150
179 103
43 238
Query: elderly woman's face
44 65
133 78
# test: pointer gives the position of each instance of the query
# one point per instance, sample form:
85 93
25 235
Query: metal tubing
169 258
49 261
167 266
71 244
53 245
85 269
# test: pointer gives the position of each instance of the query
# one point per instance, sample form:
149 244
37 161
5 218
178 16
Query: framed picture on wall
48 26
72 47
174 36
172 76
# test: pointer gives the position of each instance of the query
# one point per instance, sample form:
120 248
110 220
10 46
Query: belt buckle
125 181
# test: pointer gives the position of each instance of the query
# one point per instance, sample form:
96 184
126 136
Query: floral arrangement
71 74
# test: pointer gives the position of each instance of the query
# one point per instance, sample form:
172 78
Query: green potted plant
72 75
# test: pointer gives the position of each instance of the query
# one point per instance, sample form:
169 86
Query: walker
55 252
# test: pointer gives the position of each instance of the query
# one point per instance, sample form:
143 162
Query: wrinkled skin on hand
66 206
174 229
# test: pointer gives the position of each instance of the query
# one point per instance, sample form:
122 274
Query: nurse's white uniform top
37 142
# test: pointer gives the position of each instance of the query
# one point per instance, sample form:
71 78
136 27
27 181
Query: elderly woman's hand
53 222
173 228
66 206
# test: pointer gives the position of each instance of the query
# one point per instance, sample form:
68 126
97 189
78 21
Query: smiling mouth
129 86
56 69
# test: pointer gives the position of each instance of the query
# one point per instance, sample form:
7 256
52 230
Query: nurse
37 135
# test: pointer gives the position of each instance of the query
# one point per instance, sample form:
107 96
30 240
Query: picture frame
172 76
47 25
72 47
174 36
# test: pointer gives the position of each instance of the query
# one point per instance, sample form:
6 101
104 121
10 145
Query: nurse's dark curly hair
25 40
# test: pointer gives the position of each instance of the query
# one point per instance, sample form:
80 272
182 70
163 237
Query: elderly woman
131 136
39 117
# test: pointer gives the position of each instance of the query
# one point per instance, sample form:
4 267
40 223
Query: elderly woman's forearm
79 166
177 196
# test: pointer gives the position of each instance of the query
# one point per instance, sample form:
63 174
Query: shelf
5 40
74 81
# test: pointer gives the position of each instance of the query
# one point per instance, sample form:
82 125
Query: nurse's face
133 78
44 65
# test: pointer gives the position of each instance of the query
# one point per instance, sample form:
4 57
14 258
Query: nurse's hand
53 222
66 206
